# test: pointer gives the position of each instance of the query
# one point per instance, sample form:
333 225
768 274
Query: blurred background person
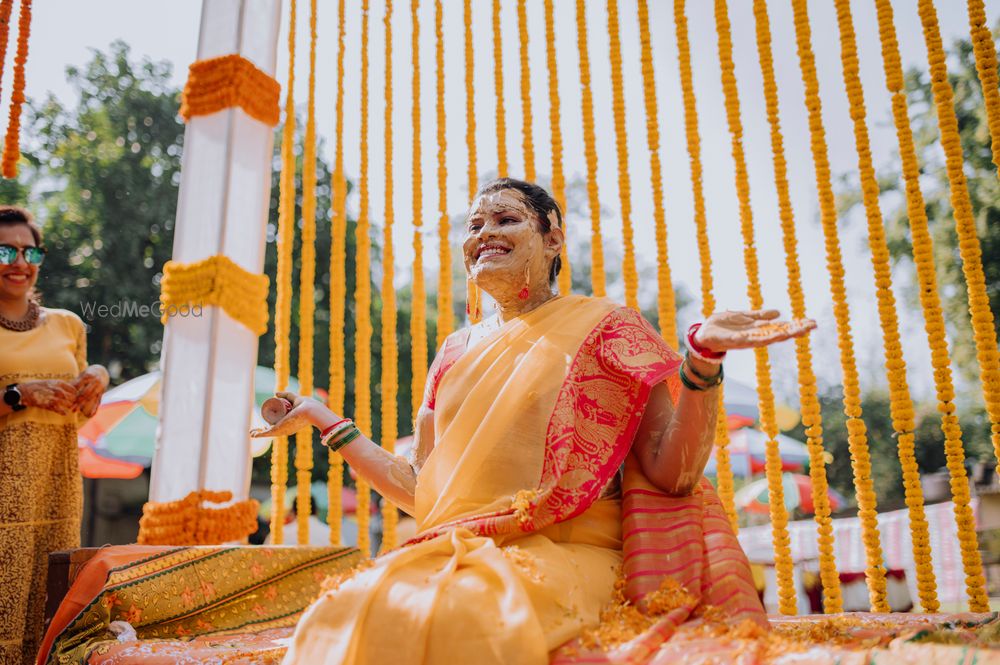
48 392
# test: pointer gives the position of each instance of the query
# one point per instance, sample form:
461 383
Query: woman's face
503 241
18 278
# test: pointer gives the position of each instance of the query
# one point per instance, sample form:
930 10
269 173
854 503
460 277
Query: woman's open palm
727 331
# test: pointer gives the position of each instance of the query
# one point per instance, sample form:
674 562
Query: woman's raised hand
726 331
302 415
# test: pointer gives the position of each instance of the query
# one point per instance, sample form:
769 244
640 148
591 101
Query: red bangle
699 349
330 429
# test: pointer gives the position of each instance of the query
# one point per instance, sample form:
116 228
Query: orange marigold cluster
227 81
188 522
693 140
765 399
597 278
12 142
555 134
807 379
629 274
986 65
219 281
856 432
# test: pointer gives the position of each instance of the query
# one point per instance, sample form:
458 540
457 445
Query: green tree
984 190
106 178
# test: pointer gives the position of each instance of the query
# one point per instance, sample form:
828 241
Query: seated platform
146 605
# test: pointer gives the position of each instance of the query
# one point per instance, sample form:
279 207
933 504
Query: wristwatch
12 398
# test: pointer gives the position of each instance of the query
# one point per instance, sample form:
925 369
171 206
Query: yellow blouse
55 349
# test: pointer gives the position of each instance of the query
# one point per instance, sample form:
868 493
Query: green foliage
984 190
107 176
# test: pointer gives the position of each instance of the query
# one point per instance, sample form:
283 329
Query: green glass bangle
688 383
709 381
334 447
691 385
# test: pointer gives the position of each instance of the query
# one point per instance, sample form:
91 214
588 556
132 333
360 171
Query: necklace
29 321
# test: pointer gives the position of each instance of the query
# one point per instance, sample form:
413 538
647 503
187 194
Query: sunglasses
32 255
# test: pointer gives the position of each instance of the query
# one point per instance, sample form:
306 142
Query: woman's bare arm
673 444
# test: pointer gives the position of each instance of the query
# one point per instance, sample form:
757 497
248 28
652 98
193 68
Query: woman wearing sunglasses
48 392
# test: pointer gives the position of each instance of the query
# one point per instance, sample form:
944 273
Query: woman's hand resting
303 414
727 331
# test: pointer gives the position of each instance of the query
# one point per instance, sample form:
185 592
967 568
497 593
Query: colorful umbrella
118 441
747 447
753 497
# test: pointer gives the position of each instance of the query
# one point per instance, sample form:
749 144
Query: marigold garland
693 140
665 304
597 278
6 7
856 431
471 291
338 294
307 301
187 522
446 322
390 348
987 352
218 281
12 146
629 273
923 257
418 316
900 403
527 138
555 133
501 114
283 296
811 418
470 103
363 299
986 65
779 514
227 81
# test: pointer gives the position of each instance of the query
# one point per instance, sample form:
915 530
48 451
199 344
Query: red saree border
590 432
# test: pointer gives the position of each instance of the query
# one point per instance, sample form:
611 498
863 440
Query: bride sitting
560 444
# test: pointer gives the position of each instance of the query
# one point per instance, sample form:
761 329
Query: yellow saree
517 552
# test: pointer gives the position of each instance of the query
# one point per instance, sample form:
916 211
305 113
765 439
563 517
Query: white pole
208 361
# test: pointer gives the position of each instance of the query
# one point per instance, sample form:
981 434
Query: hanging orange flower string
471 290
666 307
555 133
6 8
307 301
629 274
923 258
986 65
775 489
470 103
811 418
418 316
283 294
501 114
527 139
856 432
446 322
338 294
12 142
987 352
900 403
363 300
597 278
723 467
390 350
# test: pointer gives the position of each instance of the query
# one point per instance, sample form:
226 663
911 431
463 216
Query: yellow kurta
41 496
462 598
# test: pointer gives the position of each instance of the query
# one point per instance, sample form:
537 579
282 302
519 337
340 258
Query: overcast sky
64 32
